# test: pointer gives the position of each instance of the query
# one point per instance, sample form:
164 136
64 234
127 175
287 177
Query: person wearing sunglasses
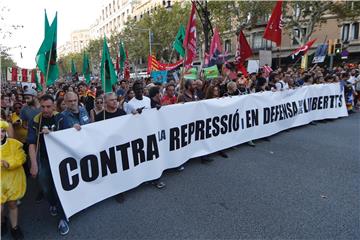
99 107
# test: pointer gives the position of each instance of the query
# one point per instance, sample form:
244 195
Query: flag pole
104 90
172 50
47 71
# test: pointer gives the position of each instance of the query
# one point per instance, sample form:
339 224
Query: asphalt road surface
303 184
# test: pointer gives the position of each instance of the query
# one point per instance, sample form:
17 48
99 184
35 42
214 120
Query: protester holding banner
74 115
140 102
111 108
44 122
155 96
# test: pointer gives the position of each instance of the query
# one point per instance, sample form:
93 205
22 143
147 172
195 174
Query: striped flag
267 70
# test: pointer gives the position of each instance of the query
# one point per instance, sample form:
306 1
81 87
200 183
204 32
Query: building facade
345 32
112 18
78 41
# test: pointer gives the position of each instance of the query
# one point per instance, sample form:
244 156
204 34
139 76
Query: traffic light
338 47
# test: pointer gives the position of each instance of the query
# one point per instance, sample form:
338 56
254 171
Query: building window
296 33
257 40
135 18
345 33
164 3
228 45
355 31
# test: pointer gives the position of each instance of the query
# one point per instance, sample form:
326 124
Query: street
303 184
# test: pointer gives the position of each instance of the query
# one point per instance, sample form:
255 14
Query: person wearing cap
31 109
13 180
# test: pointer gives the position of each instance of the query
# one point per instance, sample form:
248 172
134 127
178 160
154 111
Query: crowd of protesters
28 114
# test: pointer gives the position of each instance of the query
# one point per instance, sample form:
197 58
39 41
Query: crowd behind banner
27 114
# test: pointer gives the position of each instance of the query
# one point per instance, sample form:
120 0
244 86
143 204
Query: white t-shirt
134 104
352 80
281 85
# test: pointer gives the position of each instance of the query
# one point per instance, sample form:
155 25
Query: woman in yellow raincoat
13 180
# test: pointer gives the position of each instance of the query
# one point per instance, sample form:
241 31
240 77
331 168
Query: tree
65 63
94 49
164 25
6 62
231 15
303 17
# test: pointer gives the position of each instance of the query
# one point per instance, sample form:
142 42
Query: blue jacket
69 119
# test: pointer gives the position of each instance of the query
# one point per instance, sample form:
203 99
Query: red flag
24 75
241 68
33 72
117 66
215 50
190 37
243 50
127 67
303 49
14 74
155 65
42 78
274 26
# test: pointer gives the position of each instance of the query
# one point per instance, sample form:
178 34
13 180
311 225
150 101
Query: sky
72 15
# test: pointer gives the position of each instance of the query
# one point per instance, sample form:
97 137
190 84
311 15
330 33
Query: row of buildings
112 17
114 14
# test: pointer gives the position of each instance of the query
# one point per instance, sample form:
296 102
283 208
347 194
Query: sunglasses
17 107
99 102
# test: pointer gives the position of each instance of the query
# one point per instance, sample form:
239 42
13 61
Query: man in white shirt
139 102
282 84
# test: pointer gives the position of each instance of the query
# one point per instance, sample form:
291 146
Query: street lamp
146 30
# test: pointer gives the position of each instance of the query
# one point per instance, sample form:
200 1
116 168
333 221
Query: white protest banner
113 156
265 57
253 66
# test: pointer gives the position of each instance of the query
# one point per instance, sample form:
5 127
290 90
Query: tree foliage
227 16
6 61
164 25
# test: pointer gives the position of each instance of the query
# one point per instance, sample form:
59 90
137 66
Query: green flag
122 55
107 71
47 25
38 85
86 68
191 74
46 56
211 72
73 67
178 43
